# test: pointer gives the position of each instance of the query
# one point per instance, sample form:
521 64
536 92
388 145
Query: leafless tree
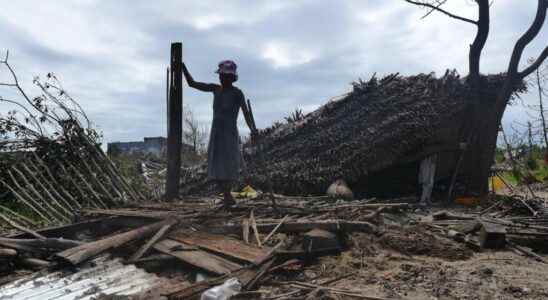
486 117
194 133
538 82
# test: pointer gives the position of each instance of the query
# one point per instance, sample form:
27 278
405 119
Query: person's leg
226 187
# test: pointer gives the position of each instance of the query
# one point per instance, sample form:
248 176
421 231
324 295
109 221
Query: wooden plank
197 257
222 245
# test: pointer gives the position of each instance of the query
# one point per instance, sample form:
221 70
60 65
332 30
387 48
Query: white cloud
283 55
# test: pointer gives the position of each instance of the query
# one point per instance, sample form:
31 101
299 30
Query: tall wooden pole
175 128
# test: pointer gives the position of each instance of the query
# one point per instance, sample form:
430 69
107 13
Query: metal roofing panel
102 276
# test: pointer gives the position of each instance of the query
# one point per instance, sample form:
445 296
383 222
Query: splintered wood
222 245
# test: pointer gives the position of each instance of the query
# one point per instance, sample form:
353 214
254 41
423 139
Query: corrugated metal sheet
102 276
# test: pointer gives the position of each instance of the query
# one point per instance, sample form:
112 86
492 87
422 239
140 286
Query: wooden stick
31 199
91 174
274 230
87 185
19 216
7 253
24 201
41 196
54 180
111 168
20 227
151 242
41 184
83 196
260 273
254 226
245 230
526 252
35 263
108 179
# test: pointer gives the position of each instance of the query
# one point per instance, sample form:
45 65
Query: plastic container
224 291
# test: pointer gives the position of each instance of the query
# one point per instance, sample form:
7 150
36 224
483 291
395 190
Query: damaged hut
374 138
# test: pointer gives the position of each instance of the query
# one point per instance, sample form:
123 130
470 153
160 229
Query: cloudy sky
112 55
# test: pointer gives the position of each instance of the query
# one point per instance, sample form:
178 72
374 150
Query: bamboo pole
19 216
87 185
41 198
92 174
39 177
50 196
20 227
25 201
54 180
136 194
108 179
30 199
83 196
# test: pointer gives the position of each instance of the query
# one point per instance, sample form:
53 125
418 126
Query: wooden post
175 129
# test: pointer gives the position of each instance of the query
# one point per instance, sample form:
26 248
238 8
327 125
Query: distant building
150 145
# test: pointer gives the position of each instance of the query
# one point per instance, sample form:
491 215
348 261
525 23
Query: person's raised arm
204 87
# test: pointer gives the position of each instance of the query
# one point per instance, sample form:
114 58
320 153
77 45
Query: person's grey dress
223 152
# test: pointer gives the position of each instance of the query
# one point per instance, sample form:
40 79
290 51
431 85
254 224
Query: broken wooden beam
83 252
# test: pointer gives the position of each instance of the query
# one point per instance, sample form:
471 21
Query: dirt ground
415 264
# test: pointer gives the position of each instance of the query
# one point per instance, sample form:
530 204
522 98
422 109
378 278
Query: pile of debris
183 249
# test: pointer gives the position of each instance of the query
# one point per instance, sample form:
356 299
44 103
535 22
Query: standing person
223 152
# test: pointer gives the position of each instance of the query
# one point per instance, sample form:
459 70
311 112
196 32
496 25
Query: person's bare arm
204 87
248 118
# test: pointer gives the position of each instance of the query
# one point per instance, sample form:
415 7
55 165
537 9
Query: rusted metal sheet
102 276
222 245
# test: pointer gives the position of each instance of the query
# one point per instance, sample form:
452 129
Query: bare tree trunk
479 41
530 137
542 118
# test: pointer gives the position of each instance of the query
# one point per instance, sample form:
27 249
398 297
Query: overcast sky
112 55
